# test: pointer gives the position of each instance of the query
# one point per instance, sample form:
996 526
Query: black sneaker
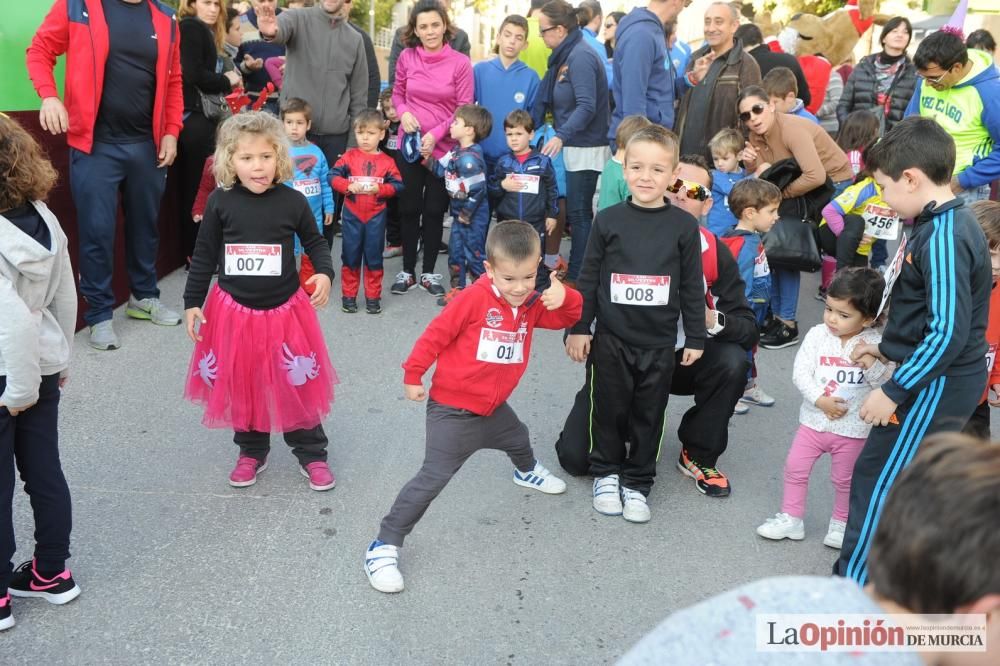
821 295
6 619
780 336
431 283
58 590
404 282
443 249
349 305
373 305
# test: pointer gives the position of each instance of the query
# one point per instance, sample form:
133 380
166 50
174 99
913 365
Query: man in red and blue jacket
123 114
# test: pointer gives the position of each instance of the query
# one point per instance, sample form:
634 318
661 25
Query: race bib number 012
500 346
257 260
640 289
881 222
841 377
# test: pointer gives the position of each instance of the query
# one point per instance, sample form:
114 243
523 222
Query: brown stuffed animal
833 36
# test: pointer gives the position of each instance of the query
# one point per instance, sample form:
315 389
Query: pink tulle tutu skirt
262 370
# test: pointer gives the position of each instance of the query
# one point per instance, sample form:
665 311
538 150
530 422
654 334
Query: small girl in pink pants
834 387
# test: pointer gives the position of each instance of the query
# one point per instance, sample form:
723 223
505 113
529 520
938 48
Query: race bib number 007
640 289
500 346
257 260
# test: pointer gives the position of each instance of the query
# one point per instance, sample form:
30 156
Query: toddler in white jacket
833 387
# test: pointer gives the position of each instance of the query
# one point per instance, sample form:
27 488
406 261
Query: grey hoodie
38 302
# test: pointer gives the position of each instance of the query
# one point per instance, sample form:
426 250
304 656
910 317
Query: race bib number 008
500 346
640 289
256 260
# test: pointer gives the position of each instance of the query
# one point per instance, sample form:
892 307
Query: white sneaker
741 408
783 526
607 496
382 567
541 479
634 507
835 534
755 396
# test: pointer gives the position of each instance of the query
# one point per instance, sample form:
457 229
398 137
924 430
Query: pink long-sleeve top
431 86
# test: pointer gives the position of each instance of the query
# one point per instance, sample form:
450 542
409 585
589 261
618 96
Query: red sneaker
319 475
246 471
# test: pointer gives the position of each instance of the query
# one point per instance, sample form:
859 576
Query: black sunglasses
757 110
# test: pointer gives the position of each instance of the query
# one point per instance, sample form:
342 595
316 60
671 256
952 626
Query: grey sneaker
103 337
153 310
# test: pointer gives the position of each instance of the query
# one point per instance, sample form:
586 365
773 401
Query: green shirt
613 187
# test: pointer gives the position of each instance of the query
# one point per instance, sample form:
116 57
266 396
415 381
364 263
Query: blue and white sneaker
607 496
635 508
540 479
755 396
382 567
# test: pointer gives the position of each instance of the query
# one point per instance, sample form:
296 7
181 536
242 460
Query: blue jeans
784 293
95 181
981 193
580 188
467 245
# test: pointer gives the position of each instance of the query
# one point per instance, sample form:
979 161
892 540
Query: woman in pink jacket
432 80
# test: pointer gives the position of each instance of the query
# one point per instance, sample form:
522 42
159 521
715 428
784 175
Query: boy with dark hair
783 89
940 287
390 146
480 344
641 273
960 89
935 552
367 178
523 183
464 173
311 175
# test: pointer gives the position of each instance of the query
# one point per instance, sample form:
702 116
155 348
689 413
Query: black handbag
791 245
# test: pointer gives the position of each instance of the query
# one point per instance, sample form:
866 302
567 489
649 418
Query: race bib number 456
248 259
881 222
640 289
500 346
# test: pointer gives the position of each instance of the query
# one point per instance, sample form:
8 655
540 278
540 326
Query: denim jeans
580 188
784 293
95 181
981 193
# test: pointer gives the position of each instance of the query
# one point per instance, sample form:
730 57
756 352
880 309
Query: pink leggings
807 447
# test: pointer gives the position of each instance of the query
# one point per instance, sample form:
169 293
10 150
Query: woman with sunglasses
610 26
772 137
575 91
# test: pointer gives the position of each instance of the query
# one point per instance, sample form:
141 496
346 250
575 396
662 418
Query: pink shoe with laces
319 475
246 471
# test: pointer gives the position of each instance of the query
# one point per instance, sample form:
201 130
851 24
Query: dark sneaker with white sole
781 336
60 589
404 282
708 480
431 283
6 619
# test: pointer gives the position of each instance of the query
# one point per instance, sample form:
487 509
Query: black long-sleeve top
198 63
628 240
238 216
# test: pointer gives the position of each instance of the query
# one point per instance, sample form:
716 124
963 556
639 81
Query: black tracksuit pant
716 381
844 247
308 445
31 441
944 405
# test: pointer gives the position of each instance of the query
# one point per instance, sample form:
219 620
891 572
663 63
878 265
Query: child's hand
555 295
63 380
550 225
691 355
867 238
866 361
192 316
414 392
578 347
15 411
427 144
511 185
995 400
833 407
464 218
196 218
878 408
321 286
867 350
327 219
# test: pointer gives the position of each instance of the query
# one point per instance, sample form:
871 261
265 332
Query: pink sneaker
246 471
319 474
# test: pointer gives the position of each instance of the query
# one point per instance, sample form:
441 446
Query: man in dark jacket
716 73
643 84
374 75
753 43
717 380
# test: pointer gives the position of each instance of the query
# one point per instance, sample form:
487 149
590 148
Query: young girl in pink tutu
260 363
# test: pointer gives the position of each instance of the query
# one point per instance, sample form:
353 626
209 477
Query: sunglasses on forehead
692 190
757 109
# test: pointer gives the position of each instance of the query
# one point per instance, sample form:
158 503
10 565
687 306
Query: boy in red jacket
481 342
988 215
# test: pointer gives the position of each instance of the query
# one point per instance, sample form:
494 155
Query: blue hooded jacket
643 84
500 91
591 38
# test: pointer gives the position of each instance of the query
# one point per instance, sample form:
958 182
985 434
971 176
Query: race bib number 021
881 222
640 289
500 346
310 187
258 260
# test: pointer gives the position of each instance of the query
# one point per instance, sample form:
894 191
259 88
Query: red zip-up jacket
993 340
78 29
477 340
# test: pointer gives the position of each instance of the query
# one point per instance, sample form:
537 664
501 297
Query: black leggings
844 247
195 144
422 205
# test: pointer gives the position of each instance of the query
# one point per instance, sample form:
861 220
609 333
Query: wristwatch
720 323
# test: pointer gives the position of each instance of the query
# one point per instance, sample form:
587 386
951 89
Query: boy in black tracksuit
389 146
523 184
936 328
642 270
